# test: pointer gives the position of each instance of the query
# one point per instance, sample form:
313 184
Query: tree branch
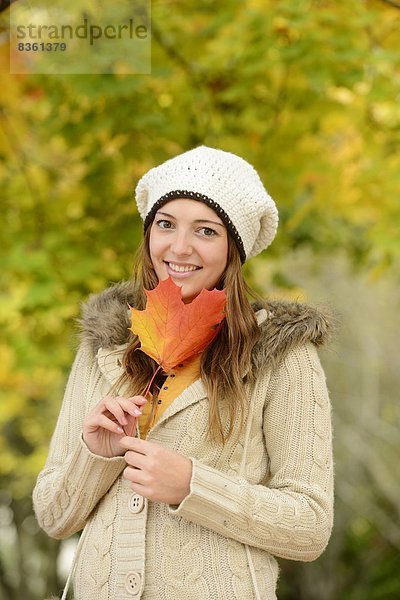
173 53
4 4
392 3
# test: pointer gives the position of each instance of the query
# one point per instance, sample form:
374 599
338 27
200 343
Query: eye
164 224
208 232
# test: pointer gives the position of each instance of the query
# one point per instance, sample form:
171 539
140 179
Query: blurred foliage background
309 92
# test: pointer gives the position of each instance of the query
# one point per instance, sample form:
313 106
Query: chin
188 296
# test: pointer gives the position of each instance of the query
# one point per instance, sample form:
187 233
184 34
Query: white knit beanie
222 180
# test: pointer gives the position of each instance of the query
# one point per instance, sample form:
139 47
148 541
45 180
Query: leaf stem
151 381
146 391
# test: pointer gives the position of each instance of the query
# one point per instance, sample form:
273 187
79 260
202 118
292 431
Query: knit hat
222 180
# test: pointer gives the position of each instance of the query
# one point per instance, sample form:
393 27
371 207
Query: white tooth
181 268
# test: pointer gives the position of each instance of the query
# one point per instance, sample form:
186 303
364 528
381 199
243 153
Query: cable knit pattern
74 479
290 514
278 502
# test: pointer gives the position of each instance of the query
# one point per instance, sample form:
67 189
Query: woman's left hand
157 473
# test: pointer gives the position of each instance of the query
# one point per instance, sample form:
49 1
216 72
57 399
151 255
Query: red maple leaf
171 331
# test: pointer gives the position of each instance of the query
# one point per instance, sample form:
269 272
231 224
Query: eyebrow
195 221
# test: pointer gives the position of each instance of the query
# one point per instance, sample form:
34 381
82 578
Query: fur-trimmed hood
105 322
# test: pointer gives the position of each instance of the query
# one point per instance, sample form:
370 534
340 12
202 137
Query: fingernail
120 430
137 412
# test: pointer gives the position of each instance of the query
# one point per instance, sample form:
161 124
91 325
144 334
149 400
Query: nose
181 243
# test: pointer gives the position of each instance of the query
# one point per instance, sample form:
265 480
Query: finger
136 476
135 459
119 405
140 400
99 408
137 445
128 406
105 423
113 406
133 401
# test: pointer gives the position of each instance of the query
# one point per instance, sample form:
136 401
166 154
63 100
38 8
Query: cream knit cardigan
245 506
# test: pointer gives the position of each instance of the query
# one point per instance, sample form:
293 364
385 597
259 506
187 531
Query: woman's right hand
109 421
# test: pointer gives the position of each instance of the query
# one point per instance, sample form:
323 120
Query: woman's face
189 242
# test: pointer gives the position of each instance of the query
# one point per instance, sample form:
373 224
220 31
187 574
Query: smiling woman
189 243
231 465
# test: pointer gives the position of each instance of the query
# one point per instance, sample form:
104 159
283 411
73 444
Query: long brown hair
223 363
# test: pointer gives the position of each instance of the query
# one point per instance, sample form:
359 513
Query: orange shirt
178 379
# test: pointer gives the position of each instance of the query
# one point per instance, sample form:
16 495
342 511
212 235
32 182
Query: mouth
181 268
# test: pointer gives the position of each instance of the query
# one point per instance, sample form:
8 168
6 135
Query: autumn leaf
171 331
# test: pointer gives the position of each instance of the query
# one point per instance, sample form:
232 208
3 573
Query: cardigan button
132 583
136 503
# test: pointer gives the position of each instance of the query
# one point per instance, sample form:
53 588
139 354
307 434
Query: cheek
217 260
154 247
222 252
221 269
155 251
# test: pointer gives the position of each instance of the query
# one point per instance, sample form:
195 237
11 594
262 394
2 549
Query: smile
181 268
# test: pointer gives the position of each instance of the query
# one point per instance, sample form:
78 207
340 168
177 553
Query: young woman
231 465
